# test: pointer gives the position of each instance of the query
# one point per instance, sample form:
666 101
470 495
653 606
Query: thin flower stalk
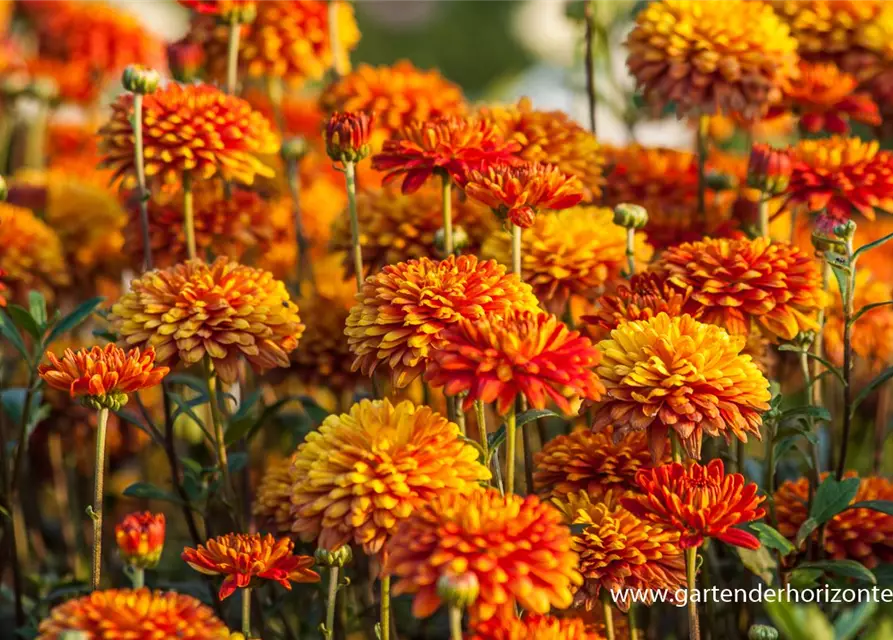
591 95
232 52
246 612
694 624
350 179
455 623
142 194
189 216
511 438
702 146
98 490
447 194
305 264
385 620
608 614
848 296
331 600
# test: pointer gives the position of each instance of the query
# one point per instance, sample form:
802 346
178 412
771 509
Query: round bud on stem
294 148
458 590
717 181
347 136
762 632
337 558
44 89
630 216
139 79
460 240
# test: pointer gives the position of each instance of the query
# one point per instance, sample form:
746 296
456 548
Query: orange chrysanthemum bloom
73 81
826 99
742 284
364 472
837 176
594 463
194 130
273 500
706 57
247 558
102 376
140 538
30 253
872 333
699 502
403 309
126 613
828 30
518 353
863 535
396 96
621 551
551 137
573 252
515 192
221 311
517 548
450 147
677 373
396 228
535 626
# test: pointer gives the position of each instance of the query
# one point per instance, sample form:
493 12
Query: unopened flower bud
140 539
337 558
460 240
347 136
294 148
769 170
74 634
845 230
804 339
113 401
718 181
458 590
238 11
762 632
139 79
824 242
4 189
44 89
185 60
630 216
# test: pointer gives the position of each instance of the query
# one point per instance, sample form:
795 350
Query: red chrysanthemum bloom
863 535
595 463
517 548
222 8
140 538
347 136
102 376
744 284
449 147
519 352
125 613
840 175
699 502
246 558
517 191
533 627
403 309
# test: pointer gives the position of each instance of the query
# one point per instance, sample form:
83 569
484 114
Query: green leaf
247 428
237 461
788 619
311 407
878 380
884 506
23 320
809 411
871 245
149 491
37 305
534 414
868 307
772 539
843 568
73 319
195 383
832 497
246 407
186 407
852 621
809 525
805 578
758 561
495 440
9 331
841 270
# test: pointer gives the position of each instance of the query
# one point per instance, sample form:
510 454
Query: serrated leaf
832 497
866 391
37 306
852 621
884 506
24 321
73 320
9 331
843 568
772 539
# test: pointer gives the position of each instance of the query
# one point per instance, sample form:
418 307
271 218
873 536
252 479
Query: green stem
608 614
138 577
98 489
676 447
385 607
847 361
763 208
330 602
246 612
694 625
219 437
305 264
350 178
633 622
481 416
630 253
143 195
590 64
703 127
516 250
35 144
232 55
188 216
447 202
510 438
455 623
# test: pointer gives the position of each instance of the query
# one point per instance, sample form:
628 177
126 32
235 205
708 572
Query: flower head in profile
222 310
826 99
449 147
365 471
593 463
518 353
745 284
541 627
190 129
102 376
403 309
621 551
126 613
706 57
677 373
347 136
246 559
515 192
31 253
699 502
140 538
517 547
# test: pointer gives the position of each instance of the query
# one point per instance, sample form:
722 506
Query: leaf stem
847 361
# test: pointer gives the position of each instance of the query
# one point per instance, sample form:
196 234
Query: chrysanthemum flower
863 535
572 252
247 558
517 548
404 308
73 81
825 29
140 538
102 376
551 137
677 373
699 502
517 191
746 283
286 40
768 169
590 462
30 253
220 8
221 311
396 96
365 471
621 551
141 613
838 176
540 627
872 334
451 146
272 505
347 136
194 129
503 356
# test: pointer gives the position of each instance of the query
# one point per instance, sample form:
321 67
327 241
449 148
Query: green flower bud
458 590
460 240
337 558
139 79
4 189
113 401
44 89
630 216
717 181
74 634
822 242
762 632
294 148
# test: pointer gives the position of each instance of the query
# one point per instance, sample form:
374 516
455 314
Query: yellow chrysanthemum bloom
707 57
829 29
272 506
576 251
31 254
365 471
